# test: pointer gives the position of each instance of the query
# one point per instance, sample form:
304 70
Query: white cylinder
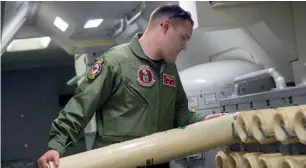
157 148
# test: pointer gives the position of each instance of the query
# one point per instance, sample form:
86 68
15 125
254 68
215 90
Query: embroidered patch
100 60
145 76
96 69
169 80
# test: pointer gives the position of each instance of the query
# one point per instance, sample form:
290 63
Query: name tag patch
169 80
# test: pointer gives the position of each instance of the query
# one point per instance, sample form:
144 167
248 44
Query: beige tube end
284 121
262 127
251 160
303 107
299 126
222 159
270 160
237 159
304 164
290 162
243 126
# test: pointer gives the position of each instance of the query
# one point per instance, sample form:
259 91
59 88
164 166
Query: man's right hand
49 156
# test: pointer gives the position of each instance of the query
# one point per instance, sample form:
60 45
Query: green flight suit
131 96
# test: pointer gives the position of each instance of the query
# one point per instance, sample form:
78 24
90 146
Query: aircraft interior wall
34 83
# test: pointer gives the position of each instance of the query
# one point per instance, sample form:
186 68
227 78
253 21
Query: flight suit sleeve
183 115
74 117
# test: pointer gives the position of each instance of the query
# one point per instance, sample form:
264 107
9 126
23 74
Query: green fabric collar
138 51
136 47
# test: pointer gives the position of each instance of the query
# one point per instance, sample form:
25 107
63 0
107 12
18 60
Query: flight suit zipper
158 71
158 100
160 74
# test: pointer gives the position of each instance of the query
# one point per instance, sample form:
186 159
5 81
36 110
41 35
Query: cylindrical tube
263 119
237 159
300 158
284 118
252 160
243 126
303 107
159 147
299 124
270 160
223 159
293 161
290 163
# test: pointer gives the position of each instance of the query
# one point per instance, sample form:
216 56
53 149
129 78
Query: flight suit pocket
133 95
129 118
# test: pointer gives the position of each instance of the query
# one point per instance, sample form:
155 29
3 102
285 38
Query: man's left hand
211 116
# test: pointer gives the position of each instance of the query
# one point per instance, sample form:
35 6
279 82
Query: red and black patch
168 80
145 76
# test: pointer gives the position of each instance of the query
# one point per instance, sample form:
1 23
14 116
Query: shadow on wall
30 101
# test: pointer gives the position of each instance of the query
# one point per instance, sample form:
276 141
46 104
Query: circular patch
145 76
95 70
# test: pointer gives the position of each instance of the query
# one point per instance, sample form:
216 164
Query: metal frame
284 96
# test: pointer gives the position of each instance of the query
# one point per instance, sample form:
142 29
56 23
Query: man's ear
166 25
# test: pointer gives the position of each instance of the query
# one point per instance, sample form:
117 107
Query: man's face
176 36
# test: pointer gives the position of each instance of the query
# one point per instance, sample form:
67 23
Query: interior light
37 43
200 81
60 24
93 23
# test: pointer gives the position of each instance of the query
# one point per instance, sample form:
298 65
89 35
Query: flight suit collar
138 51
136 47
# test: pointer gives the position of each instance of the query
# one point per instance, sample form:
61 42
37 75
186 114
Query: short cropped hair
172 11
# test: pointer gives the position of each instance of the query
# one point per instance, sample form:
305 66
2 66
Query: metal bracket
75 79
277 77
119 30
138 15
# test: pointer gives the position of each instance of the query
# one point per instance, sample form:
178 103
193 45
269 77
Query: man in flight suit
134 89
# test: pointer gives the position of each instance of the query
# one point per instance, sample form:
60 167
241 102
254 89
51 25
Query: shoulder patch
95 69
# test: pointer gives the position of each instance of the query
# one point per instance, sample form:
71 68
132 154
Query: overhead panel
79 46
75 37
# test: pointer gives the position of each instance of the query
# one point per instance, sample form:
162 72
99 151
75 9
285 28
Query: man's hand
49 156
211 116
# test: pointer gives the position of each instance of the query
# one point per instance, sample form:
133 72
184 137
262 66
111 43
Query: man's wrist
55 145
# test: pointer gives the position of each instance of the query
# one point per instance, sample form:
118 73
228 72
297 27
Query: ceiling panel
76 14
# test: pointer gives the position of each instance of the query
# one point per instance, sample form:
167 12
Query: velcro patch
168 80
